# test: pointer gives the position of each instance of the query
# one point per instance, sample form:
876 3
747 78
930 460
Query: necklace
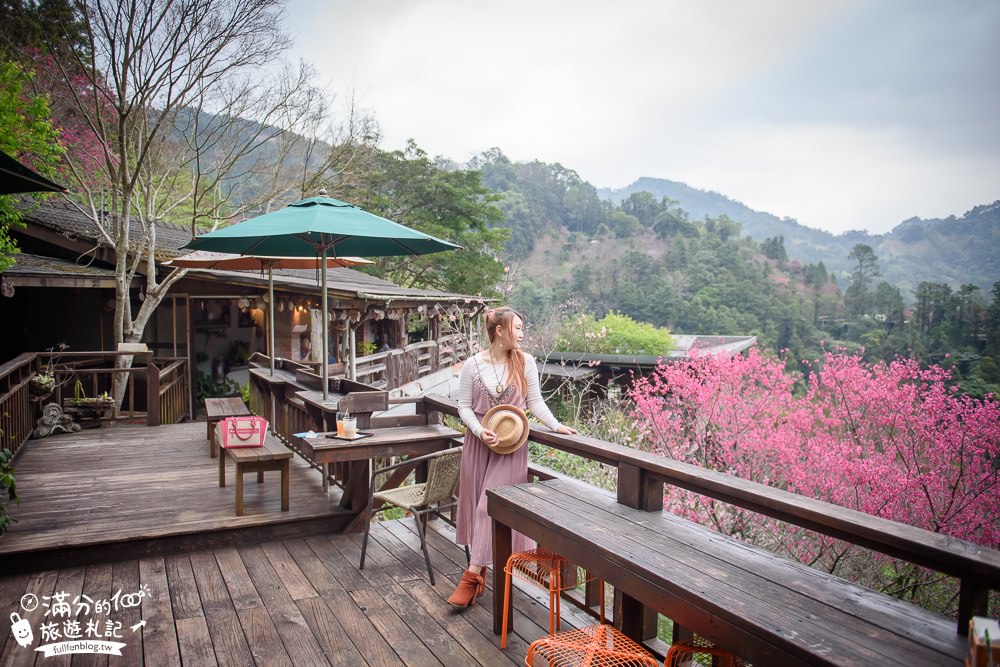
500 386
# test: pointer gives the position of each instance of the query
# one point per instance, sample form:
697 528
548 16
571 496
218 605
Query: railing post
973 597
640 490
152 392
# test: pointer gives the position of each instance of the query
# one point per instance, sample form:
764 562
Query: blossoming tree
890 439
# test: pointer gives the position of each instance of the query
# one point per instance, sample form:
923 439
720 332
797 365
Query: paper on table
306 434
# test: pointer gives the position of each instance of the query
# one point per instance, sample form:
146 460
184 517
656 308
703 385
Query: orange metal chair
699 651
544 569
593 645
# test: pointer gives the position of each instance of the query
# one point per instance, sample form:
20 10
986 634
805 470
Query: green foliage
774 248
208 387
245 393
8 490
26 134
615 333
409 188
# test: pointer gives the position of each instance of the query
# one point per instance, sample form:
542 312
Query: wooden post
973 596
640 490
152 392
502 545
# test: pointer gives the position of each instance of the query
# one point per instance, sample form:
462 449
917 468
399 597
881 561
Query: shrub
613 334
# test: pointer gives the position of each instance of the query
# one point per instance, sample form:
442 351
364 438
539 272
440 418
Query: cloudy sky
840 114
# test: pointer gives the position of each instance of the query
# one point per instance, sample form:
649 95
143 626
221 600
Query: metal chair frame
430 499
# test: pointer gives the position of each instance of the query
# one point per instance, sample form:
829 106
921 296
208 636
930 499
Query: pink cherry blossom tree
889 439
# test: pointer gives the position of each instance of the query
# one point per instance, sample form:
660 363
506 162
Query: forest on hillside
647 258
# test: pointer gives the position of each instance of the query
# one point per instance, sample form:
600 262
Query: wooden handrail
977 567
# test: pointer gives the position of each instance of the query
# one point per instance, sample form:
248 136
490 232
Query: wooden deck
291 602
139 509
134 491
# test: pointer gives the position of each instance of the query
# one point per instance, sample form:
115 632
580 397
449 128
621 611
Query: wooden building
62 290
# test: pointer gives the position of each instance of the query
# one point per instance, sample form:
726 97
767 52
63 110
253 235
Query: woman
500 374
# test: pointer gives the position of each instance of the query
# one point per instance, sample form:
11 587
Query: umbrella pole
270 316
324 328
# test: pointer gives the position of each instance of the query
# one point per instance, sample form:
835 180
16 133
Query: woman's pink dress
483 469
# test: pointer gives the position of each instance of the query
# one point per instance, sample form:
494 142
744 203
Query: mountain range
953 250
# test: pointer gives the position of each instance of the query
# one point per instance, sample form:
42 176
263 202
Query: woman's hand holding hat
488 437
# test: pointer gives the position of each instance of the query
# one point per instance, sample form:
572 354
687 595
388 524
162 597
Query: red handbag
243 432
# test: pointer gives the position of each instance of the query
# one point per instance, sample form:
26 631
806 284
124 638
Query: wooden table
271 456
767 609
397 441
218 409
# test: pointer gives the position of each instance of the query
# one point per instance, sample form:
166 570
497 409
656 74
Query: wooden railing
17 415
641 477
174 393
160 395
394 368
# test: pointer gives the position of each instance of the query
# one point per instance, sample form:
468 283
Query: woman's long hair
504 318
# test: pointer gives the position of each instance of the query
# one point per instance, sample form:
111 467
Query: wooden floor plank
97 586
69 589
263 639
300 644
223 623
383 574
159 635
396 629
125 578
369 642
195 642
39 585
289 573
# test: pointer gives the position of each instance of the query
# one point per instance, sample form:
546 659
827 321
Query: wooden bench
217 409
765 608
271 456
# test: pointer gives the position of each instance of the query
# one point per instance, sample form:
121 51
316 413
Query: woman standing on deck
500 374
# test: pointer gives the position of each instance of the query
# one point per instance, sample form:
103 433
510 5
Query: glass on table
341 416
351 427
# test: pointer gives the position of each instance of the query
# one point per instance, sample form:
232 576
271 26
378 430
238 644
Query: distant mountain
953 250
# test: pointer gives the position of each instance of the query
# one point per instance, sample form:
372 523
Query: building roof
66 219
37 271
684 347
344 282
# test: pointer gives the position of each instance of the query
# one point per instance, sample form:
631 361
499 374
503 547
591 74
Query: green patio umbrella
320 227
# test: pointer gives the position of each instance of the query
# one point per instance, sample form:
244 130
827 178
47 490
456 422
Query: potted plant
43 383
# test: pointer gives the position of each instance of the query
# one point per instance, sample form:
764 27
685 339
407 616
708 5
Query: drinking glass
341 416
351 427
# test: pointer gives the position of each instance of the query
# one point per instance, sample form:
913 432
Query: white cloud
774 103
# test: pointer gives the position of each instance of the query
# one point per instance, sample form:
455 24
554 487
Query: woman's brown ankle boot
468 589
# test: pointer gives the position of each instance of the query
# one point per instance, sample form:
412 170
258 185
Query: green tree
26 134
858 298
408 187
774 248
993 323
613 334
643 206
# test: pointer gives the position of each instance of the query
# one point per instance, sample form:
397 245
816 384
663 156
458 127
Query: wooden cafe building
62 290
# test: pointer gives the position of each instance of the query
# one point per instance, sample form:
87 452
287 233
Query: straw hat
511 426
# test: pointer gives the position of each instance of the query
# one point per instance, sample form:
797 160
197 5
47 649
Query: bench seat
767 609
217 409
273 455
